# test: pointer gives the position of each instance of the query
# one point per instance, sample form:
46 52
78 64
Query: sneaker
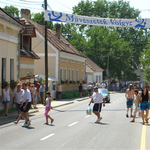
29 123
98 121
25 124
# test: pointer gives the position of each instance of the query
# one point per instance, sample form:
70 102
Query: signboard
95 21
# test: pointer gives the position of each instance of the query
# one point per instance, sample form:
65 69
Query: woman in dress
6 97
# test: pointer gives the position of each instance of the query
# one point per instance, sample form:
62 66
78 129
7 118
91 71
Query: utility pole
46 53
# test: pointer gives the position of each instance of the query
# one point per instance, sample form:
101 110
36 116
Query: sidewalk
40 109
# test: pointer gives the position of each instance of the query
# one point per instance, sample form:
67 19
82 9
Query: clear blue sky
66 5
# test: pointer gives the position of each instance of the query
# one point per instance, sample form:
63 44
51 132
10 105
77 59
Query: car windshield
103 91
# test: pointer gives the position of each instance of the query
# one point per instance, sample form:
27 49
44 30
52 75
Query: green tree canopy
11 10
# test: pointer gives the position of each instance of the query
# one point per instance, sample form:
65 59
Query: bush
70 94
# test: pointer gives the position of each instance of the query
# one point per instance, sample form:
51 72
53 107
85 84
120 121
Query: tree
11 10
145 60
122 45
39 18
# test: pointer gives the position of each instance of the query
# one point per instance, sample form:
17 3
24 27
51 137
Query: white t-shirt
90 87
84 87
27 95
97 97
47 101
18 96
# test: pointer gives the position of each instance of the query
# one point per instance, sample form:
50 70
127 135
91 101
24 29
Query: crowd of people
23 97
89 87
140 99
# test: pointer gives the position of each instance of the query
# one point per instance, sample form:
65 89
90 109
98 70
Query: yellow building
9 39
65 62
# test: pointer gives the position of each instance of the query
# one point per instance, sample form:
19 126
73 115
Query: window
72 75
65 74
97 79
77 75
69 75
100 79
11 69
83 76
3 69
61 74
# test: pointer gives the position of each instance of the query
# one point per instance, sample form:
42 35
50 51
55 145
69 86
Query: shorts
27 108
129 103
6 102
97 107
46 111
144 106
18 106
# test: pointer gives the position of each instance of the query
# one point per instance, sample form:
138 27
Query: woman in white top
6 97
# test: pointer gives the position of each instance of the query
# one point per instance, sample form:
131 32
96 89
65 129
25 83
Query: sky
66 5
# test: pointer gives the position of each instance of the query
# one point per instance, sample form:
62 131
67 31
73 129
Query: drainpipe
58 63
20 32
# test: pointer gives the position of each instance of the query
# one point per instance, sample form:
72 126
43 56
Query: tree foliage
145 59
11 10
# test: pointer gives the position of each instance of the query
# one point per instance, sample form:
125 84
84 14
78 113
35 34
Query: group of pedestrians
141 100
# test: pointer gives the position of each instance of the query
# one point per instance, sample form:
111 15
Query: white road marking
47 137
73 124
87 116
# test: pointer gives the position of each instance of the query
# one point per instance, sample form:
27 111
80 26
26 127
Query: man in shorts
26 104
17 97
98 99
130 97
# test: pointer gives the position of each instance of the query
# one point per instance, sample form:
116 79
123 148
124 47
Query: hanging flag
95 21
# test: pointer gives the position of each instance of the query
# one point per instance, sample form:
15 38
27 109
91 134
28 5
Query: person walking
17 97
48 107
26 104
130 97
144 106
35 97
98 99
90 89
84 89
6 98
80 89
136 101
59 91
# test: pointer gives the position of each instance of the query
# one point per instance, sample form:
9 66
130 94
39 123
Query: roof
6 16
92 66
61 44
28 54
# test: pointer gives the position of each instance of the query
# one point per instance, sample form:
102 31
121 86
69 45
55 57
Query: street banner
95 21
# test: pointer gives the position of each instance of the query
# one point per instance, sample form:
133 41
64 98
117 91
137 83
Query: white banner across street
95 21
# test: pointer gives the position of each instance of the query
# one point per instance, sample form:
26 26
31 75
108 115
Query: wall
26 65
38 46
98 74
9 47
71 62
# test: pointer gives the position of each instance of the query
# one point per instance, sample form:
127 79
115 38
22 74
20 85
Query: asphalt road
73 129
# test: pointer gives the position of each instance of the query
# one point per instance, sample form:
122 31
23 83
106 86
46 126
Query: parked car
105 94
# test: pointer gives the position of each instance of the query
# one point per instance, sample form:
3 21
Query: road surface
73 129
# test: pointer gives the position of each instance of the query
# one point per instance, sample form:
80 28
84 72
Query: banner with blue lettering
95 21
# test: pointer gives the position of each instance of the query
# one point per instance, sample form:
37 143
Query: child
48 107
136 101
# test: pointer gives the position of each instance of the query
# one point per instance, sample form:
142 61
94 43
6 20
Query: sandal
146 120
132 121
52 120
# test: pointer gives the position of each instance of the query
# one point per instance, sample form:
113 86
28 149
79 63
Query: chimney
58 28
25 13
